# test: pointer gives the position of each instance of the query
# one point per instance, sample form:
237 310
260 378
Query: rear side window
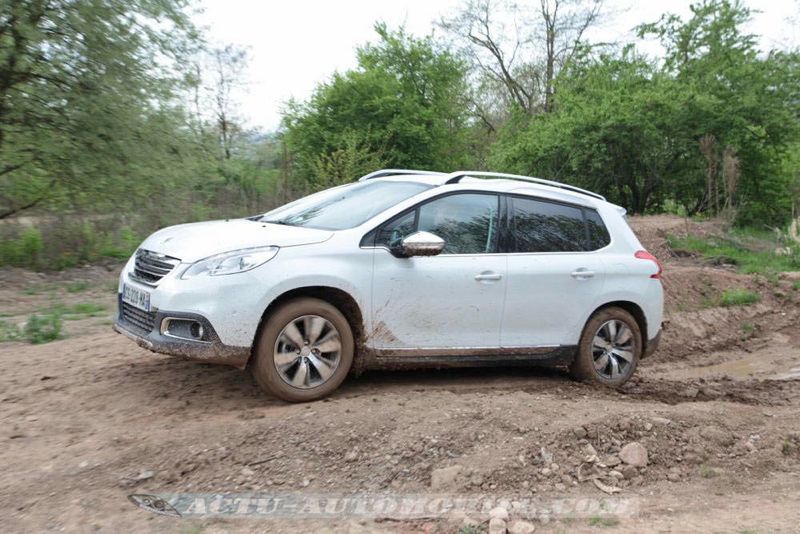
548 227
598 233
541 226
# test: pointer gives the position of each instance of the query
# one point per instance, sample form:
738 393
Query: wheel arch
341 299
635 310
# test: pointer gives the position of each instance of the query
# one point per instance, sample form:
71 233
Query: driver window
467 222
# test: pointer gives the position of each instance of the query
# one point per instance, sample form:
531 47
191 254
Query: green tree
88 101
404 102
746 99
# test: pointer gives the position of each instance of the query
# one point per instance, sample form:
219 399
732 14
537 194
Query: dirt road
89 419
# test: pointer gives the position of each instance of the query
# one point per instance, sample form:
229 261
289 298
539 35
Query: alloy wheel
307 351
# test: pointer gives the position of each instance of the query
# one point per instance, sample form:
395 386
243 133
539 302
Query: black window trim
512 244
368 240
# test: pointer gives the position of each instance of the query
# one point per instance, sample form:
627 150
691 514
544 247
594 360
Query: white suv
402 268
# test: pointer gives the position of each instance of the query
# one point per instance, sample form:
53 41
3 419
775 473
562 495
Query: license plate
136 297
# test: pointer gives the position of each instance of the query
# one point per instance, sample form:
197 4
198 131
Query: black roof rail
394 172
455 177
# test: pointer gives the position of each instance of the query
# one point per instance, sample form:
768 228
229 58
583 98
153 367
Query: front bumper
210 350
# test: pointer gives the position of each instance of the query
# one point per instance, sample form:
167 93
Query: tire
595 362
299 374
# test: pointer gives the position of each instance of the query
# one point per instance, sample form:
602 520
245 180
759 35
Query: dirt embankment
705 437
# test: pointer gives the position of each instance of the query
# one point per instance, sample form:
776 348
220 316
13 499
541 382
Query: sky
295 44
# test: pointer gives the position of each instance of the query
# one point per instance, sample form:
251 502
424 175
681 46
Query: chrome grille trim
140 319
150 267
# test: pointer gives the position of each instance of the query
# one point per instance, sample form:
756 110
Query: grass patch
77 287
43 328
750 251
738 297
796 285
9 332
598 521
80 310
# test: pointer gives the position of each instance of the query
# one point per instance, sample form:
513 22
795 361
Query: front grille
139 318
150 267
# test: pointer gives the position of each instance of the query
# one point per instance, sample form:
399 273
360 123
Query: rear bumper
652 345
210 350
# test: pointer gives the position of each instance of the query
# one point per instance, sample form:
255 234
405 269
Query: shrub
43 328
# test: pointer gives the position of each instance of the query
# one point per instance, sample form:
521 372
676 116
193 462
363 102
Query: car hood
195 241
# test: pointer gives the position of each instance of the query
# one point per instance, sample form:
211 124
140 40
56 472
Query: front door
445 302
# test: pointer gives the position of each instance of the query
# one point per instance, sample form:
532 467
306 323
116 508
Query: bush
43 328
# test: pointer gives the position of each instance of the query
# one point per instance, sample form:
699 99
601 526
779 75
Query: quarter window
598 233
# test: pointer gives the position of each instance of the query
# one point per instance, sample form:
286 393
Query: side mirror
419 244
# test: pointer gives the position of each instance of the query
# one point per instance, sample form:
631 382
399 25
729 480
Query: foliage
404 104
43 328
9 332
630 127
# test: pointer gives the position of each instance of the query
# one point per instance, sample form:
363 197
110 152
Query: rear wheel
305 350
609 349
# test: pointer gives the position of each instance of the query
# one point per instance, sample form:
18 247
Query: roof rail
455 177
393 172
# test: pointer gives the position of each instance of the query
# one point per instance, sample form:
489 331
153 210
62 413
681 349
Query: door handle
582 274
488 276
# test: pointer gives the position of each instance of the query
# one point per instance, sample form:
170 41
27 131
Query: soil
91 418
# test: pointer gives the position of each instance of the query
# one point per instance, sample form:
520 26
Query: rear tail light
644 255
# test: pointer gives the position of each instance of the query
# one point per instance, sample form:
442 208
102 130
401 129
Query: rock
445 477
144 475
246 471
547 471
612 461
589 450
661 421
579 432
616 474
560 487
499 513
521 527
554 467
470 523
717 435
351 456
457 517
634 454
629 472
497 526
648 427
690 392
673 477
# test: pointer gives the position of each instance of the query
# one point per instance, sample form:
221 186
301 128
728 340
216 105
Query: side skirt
432 358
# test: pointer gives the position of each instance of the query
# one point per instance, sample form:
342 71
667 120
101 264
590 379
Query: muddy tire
304 351
609 349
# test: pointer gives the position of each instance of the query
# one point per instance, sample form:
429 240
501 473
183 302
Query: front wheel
305 350
609 349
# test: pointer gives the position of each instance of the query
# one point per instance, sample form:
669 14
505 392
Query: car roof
497 185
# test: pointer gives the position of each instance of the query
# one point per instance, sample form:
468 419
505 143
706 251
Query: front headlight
237 261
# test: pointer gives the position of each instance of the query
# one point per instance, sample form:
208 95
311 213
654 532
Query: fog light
196 330
182 328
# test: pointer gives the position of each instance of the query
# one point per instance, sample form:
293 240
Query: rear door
554 274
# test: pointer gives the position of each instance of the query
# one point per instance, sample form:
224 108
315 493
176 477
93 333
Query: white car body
448 307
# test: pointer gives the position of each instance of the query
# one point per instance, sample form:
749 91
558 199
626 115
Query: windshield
345 206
